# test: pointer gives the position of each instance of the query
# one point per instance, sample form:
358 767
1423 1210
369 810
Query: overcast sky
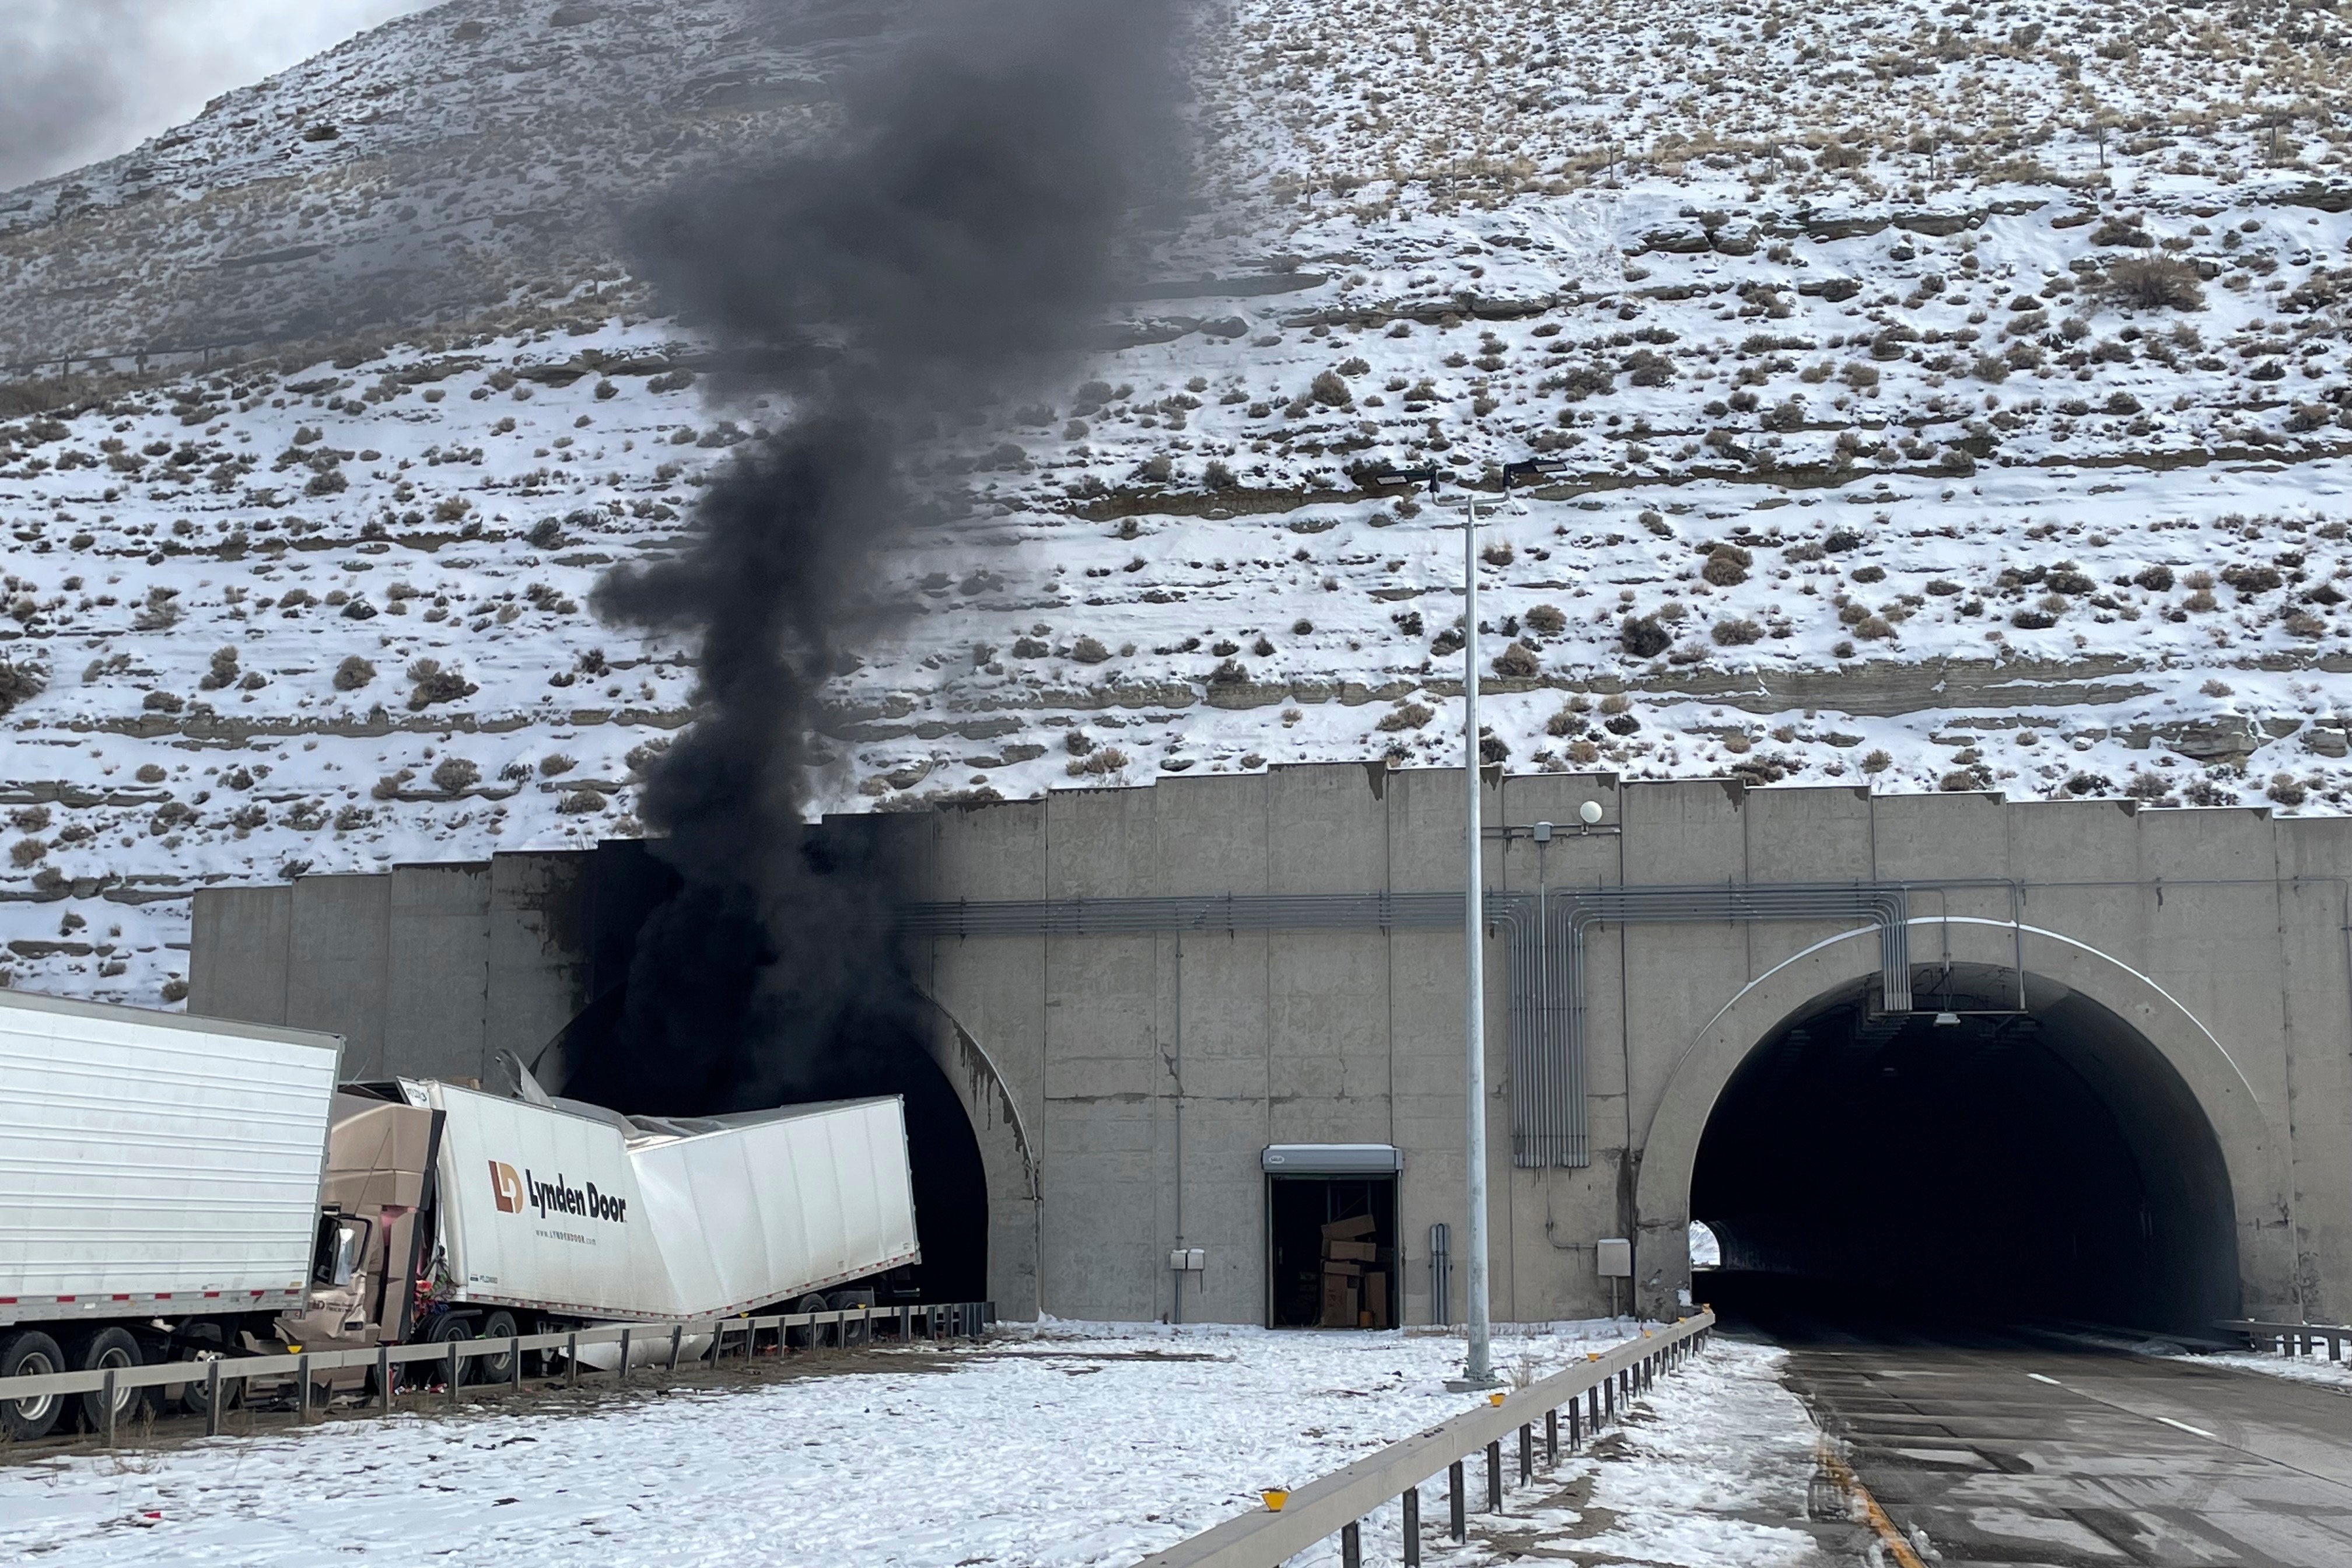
84 80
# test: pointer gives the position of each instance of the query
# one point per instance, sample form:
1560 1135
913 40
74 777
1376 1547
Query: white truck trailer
562 1213
176 1188
158 1187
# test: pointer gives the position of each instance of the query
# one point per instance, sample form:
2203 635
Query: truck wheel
106 1348
860 1332
30 1354
195 1400
446 1326
812 1334
497 1368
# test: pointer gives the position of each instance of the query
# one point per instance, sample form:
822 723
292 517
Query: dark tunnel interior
624 882
2008 1163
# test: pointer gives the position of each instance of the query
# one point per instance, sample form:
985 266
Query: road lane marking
2185 1426
2051 1381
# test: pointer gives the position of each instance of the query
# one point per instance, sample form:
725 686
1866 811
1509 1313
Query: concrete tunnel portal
1997 1153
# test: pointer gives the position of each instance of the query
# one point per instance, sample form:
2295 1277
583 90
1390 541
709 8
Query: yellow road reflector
1496 1397
1275 1498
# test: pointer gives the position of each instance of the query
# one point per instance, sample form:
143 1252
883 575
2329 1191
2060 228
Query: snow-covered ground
1947 398
1079 1445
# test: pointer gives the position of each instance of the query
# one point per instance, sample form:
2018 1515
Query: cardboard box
1352 1251
1341 1268
1348 1229
1376 1301
1342 1301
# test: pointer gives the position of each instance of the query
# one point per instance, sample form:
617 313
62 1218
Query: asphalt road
2023 1451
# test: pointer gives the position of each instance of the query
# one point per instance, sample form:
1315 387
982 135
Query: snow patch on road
2301 1369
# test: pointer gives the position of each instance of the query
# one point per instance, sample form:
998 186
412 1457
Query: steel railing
668 1340
1592 1395
2290 1339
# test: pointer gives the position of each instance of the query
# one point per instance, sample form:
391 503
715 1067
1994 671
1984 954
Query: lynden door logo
515 1193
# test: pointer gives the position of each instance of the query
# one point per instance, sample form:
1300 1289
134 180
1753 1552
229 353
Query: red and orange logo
507 1187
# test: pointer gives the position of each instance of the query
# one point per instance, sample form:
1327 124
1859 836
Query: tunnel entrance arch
913 1051
2076 1144
2000 1154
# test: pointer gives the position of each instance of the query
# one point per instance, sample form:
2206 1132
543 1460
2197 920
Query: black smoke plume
949 246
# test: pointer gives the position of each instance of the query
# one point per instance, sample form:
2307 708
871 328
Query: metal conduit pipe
1546 985
1545 957
1547 1093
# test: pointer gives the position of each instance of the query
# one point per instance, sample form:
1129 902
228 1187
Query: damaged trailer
184 1189
541 1214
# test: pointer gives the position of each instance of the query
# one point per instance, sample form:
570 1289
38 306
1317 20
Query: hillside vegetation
1943 397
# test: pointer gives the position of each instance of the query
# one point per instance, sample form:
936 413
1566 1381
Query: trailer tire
194 1399
450 1326
96 1351
809 1336
31 1353
497 1368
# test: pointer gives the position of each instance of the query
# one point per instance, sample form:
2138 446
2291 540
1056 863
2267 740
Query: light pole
1479 1365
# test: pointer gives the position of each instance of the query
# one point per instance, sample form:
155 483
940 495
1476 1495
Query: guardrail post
1351 1545
514 1363
1409 1510
383 1379
107 1394
1608 1402
1551 1439
624 1353
571 1359
1527 1452
212 1397
1575 1414
1495 1477
455 1370
677 1344
302 1386
1456 1503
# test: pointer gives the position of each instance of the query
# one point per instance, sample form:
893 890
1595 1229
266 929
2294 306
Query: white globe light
1589 811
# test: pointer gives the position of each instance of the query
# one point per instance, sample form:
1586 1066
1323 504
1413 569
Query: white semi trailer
175 1189
158 1187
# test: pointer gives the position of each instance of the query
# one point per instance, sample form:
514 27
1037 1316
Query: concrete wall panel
436 1005
1685 831
239 948
540 957
338 973
1809 835
1328 828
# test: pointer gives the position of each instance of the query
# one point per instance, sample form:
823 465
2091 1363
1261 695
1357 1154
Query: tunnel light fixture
1948 1020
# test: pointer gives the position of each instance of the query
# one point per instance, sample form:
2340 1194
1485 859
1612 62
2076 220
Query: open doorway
1332 1259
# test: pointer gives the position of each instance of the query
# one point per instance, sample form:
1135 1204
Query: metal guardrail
1337 1504
959 1320
2290 1339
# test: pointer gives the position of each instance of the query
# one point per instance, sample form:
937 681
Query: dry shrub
2154 283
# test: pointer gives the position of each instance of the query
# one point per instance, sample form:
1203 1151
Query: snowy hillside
448 166
1946 398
